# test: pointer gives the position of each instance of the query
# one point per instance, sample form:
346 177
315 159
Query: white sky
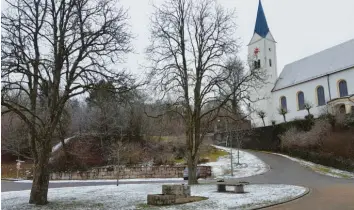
300 27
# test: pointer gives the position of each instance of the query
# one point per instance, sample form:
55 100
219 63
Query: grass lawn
8 170
212 154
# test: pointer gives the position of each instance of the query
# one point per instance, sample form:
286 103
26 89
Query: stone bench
170 195
238 187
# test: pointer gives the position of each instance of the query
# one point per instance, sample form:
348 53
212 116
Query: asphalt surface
326 193
285 171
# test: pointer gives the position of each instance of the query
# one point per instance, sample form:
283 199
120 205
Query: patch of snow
59 145
329 171
110 180
133 196
250 165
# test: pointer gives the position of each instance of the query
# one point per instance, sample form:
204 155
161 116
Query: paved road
285 171
326 193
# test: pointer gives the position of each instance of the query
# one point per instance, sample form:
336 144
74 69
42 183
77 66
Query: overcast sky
300 27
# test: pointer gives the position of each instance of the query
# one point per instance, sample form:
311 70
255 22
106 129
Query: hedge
326 159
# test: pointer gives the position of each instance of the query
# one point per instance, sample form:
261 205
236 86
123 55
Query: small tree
262 115
283 112
308 106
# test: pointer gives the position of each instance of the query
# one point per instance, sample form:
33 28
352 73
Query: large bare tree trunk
192 169
193 140
40 183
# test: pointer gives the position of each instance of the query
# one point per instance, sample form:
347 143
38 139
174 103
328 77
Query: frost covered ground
321 169
110 180
249 165
133 196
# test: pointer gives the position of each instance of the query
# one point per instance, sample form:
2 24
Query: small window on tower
259 63
270 62
270 49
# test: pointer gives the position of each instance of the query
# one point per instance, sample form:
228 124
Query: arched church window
283 103
342 87
270 62
300 100
320 96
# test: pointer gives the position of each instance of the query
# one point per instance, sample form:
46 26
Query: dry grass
8 170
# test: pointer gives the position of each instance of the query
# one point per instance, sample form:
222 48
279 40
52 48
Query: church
324 81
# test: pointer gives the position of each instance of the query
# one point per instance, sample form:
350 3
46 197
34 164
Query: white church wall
309 90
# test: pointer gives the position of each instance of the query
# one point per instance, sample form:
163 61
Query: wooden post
221 188
239 188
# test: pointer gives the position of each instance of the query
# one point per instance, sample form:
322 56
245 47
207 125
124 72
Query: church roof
261 27
326 62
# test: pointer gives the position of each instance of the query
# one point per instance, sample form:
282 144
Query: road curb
285 201
11 179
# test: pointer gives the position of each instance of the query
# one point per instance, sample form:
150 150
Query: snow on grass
133 196
320 168
250 165
59 145
110 180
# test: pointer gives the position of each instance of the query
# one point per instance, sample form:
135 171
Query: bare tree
238 86
239 135
53 51
308 106
14 138
191 41
262 115
283 112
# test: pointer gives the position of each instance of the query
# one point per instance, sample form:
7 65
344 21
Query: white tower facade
262 50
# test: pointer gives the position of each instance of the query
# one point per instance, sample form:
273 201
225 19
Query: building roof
326 62
261 27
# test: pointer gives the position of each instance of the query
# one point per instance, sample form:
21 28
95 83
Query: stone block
160 200
178 190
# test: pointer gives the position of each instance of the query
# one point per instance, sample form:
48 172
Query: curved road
325 192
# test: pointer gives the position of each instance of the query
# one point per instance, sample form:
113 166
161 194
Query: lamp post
120 144
230 144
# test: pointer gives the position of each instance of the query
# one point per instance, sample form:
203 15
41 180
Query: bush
340 143
306 139
309 117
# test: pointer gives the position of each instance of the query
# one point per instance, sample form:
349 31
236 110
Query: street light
119 145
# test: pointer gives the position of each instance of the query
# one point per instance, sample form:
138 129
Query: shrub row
326 159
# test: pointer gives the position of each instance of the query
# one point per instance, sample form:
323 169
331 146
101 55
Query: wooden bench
238 187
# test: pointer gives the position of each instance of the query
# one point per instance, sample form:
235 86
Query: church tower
262 53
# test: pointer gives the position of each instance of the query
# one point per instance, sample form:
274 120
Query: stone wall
111 172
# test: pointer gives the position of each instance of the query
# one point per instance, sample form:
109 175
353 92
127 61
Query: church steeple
263 54
261 27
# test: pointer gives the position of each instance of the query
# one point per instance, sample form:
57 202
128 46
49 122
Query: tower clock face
256 50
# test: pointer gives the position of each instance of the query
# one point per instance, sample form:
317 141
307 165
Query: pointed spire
261 27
